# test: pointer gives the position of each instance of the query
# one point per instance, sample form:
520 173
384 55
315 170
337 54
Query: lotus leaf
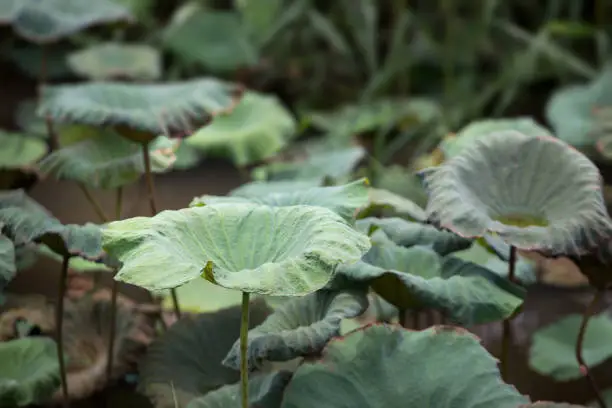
178 365
301 327
18 157
552 349
340 379
140 111
344 200
545 196
29 372
258 189
108 160
256 129
296 251
114 60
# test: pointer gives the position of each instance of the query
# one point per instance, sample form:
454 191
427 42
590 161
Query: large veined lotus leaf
18 157
571 110
265 391
552 349
87 325
296 251
108 160
536 193
76 263
115 60
452 145
334 164
25 221
8 269
344 200
301 327
214 39
29 372
256 129
419 278
50 20
258 189
406 233
355 119
186 361
140 111
387 202
340 379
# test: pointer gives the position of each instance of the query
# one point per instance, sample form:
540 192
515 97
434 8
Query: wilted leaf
141 112
552 349
296 251
344 200
186 361
466 194
452 145
18 156
29 372
301 327
256 129
265 391
406 233
379 378
419 278
571 110
334 164
115 60
26 221
108 160
50 20
214 39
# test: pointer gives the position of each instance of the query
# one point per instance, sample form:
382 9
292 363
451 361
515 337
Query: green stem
590 310
244 336
59 326
151 192
114 294
506 324
94 203
53 142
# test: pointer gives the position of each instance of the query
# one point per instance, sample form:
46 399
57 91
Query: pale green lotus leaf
213 39
265 391
18 158
536 193
115 60
344 200
466 137
403 182
256 129
260 19
296 251
379 378
547 404
51 20
201 296
142 10
552 348
301 327
386 202
25 221
185 362
258 189
407 234
8 10
355 119
108 160
336 164
8 269
152 109
419 278
76 263
187 157
572 109
29 371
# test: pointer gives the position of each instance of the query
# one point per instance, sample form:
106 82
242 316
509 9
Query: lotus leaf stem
59 327
53 143
244 336
152 203
588 313
94 203
114 294
507 324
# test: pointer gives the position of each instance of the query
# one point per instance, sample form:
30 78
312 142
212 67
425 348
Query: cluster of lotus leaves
534 192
